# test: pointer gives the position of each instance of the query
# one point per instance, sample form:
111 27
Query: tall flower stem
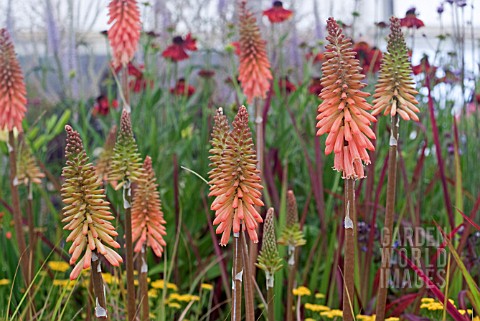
98 288
127 197
349 254
260 159
143 282
17 215
389 216
292 271
31 231
248 281
237 274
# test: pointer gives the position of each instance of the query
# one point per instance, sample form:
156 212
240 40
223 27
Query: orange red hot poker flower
12 87
234 179
343 112
254 69
148 224
124 33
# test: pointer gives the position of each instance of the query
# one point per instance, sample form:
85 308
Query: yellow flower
476 319
109 278
207 286
58 266
174 305
309 319
183 297
393 319
427 300
69 284
362 317
152 293
4 281
301 291
316 307
158 284
332 314
319 296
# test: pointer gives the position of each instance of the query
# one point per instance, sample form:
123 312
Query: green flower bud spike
269 260
292 235
126 164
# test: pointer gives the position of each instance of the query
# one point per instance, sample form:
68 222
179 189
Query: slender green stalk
389 217
237 276
349 254
131 306
98 289
248 281
17 217
143 282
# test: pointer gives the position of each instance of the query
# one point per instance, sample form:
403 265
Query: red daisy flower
236 45
181 89
177 51
206 73
411 20
286 85
277 13
315 87
102 105
424 66
316 58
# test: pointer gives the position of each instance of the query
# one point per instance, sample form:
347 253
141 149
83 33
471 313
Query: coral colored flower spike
124 33
12 87
254 69
87 213
148 224
234 179
343 112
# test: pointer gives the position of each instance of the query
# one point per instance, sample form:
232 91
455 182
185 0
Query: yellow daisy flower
207 286
58 266
301 291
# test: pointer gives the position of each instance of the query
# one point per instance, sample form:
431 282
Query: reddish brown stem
100 300
31 232
131 306
349 259
387 234
17 216
237 271
292 271
247 281
143 282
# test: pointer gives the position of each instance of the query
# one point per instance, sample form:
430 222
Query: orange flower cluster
86 213
124 33
12 88
343 112
254 69
234 178
395 91
148 224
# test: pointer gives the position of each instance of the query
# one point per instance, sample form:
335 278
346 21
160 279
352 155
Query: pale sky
29 12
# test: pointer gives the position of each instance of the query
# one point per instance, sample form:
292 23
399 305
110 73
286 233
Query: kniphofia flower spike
12 87
234 179
343 112
86 214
